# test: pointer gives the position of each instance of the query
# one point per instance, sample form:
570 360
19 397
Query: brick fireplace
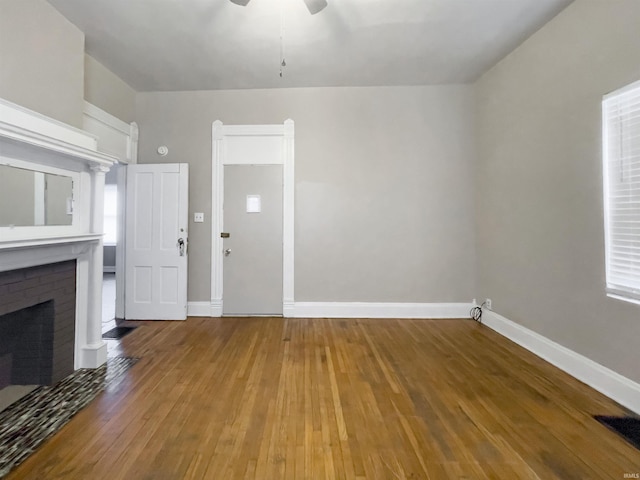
37 324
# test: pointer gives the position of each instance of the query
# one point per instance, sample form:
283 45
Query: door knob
227 252
181 245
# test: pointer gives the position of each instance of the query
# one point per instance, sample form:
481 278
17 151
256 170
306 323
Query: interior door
252 219
156 241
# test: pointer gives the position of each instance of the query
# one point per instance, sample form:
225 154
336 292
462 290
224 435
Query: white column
95 350
288 265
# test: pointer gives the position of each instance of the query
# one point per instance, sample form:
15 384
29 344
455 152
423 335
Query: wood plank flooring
272 398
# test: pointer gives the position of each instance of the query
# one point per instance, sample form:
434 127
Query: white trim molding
199 309
106 118
615 386
113 135
377 310
55 131
219 159
350 310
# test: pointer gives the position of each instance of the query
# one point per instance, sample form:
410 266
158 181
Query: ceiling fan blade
315 6
242 3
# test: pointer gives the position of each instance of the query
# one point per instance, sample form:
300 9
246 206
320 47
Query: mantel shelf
25 134
46 241
22 143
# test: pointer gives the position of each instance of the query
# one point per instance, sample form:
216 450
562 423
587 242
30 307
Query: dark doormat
117 333
627 427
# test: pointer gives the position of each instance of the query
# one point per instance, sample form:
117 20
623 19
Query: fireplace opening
26 346
37 328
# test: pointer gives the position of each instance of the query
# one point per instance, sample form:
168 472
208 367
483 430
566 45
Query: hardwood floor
272 398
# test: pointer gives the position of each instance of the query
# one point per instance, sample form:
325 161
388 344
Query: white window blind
621 168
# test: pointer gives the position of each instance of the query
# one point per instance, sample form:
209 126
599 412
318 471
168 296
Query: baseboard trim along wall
109 269
350 310
615 386
380 310
200 309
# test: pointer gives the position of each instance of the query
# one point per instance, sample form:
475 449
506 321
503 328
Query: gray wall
17 196
109 256
384 184
107 91
539 213
58 189
41 60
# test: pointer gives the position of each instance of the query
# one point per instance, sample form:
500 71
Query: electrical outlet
198 217
487 303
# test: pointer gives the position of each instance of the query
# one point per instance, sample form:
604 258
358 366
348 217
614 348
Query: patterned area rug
27 423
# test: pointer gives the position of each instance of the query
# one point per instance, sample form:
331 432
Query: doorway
252 146
110 244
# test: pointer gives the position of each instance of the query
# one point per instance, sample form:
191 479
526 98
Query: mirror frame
44 230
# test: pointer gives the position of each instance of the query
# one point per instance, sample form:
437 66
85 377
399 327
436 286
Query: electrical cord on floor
476 313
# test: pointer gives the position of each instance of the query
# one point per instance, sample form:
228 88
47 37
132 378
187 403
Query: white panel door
156 241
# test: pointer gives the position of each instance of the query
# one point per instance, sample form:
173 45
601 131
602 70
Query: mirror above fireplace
50 173
34 198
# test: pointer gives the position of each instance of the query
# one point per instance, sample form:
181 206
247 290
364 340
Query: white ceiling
214 44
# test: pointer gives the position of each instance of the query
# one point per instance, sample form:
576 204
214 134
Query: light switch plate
198 217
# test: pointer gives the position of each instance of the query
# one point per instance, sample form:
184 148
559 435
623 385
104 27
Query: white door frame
219 159
121 140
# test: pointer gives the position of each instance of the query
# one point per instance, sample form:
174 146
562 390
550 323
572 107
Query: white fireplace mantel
32 141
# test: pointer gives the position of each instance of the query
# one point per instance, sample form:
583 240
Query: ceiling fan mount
314 6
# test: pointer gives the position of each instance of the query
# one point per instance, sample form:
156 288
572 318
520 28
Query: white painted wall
539 213
41 60
107 91
384 184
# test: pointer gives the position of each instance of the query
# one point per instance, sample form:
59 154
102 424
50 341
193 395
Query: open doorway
119 139
111 237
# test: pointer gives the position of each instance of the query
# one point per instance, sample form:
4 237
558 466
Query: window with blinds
621 168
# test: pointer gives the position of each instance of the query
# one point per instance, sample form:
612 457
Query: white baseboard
199 309
378 310
349 310
288 309
621 389
216 308
109 269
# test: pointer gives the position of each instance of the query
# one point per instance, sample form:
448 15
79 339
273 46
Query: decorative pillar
95 350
